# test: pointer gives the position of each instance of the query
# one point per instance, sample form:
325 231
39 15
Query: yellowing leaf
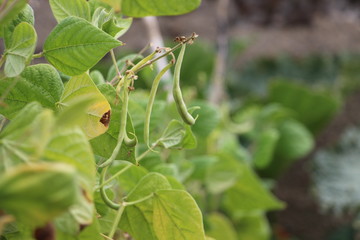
97 115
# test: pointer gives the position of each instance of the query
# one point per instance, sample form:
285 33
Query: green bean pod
150 104
180 104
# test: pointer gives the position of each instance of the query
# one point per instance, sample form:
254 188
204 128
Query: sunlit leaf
75 45
37 193
177 216
104 145
25 15
98 113
138 219
10 9
24 139
141 8
39 83
220 227
20 50
64 8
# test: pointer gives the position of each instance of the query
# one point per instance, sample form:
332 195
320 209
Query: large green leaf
220 227
223 174
97 114
37 193
104 145
176 216
64 8
249 195
20 50
39 83
75 45
10 9
25 138
142 8
25 15
313 108
138 219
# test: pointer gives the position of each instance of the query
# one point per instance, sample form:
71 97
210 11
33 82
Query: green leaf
138 219
253 227
142 8
189 141
104 145
129 179
223 174
201 166
172 135
21 49
220 227
208 119
249 195
313 108
39 83
97 77
150 183
70 146
64 8
80 87
265 147
10 9
25 138
295 142
91 232
177 216
75 45
25 15
37 193
116 5
109 23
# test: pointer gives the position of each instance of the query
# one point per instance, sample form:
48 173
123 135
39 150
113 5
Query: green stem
116 221
139 200
113 58
2 60
103 194
114 176
38 55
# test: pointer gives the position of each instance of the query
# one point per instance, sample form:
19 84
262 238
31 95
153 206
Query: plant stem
113 58
116 221
139 200
103 194
38 55
114 176
2 60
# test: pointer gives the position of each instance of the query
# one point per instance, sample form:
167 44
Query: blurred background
285 76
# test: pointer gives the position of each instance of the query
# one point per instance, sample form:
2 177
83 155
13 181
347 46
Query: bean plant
87 156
